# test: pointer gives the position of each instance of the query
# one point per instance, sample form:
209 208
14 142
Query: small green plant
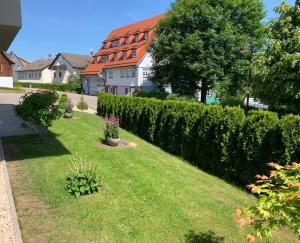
82 105
278 204
111 129
83 179
62 101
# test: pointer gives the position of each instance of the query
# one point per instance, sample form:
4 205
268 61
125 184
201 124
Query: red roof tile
130 31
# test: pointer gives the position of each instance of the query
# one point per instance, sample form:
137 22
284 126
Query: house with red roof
123 64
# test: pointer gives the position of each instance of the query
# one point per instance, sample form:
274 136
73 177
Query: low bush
62 100
67 87
83 179
223 141
82 105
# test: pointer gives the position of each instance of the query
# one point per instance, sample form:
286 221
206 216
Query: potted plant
68 109
111 131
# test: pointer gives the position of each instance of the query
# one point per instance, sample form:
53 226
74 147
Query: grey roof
76 60
37 65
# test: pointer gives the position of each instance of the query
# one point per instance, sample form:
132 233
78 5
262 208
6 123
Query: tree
278 69
204 44
278 205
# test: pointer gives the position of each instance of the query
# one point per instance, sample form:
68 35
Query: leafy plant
111 129
62 101
83 179
68 106
40 108
75 83
82 105
278 205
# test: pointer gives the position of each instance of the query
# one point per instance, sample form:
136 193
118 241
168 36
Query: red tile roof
120 34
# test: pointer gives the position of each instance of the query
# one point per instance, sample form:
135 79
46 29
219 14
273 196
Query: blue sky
76 26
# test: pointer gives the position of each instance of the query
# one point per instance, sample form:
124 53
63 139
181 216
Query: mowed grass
147 195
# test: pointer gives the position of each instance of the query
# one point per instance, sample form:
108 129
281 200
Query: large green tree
277 71
207 44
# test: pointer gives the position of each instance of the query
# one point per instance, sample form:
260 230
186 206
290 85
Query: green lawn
147 194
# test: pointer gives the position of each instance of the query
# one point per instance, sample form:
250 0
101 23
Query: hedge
222 141
66 87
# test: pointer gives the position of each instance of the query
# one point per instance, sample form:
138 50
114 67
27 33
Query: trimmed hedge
222 141
68 87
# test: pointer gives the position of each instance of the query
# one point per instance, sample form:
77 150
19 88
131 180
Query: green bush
83 179
220 140
82 105
74 87
62 101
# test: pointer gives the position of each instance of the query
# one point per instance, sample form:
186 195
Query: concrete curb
16 225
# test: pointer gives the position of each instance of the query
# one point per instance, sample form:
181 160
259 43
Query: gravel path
7 234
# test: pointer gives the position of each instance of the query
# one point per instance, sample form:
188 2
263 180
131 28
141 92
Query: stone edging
17 230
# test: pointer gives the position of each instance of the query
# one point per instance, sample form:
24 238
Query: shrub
82 105
75 83
38 108
68 106
111 129
278 204
83 179
62 101
68 87
223 141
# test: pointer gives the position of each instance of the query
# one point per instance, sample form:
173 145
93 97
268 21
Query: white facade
6 82
40 76
123 81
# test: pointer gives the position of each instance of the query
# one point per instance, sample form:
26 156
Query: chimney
91 56
49 56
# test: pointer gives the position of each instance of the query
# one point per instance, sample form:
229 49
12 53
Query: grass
11 90
147 194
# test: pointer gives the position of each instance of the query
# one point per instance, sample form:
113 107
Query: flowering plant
111 127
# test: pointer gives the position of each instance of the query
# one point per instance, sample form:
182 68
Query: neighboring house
65 65
36 72
123 63
10 22
19 63
6 65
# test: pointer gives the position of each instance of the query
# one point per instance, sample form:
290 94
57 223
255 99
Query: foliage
220 140
39 108
68 87
82 105
207 42
83 179
75 83
278 205
62 101
156 95
69 106
111 129
277 70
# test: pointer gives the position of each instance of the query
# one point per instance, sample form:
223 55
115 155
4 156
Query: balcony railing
59 68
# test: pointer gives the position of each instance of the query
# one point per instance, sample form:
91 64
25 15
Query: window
115 43
124 55
145 73
127 73
126 91
146 35
115 56
105 45
110 74
104 58
133 54
121 73
54 75
133 72
136 39
60 74
126 41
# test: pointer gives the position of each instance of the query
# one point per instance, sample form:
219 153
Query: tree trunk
203 91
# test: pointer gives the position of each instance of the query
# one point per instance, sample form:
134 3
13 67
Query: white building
18 64
123 63
53 71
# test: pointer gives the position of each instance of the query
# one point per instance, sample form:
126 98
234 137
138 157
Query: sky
78 26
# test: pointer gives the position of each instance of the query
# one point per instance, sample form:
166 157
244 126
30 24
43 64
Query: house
10 22
18 64
123 63
66 64
55 70
6 79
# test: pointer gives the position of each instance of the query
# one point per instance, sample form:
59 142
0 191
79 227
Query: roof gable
75 60
37 65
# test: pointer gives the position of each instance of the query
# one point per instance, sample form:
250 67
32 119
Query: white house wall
147 62
6 82
46 76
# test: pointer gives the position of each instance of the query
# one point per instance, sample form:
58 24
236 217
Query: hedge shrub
55 87
223 141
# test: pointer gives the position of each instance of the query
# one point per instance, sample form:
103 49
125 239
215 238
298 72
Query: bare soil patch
122 145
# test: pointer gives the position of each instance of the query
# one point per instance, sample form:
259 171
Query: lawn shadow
203 237
29 147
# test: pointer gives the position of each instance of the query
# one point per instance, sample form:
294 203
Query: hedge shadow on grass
203 237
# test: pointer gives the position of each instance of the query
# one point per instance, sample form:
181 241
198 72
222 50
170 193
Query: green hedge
220 140
68 87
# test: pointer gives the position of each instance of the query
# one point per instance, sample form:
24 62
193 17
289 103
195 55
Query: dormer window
133 54
115 43
136 39
115 56
146 35
105 45
104 59
124 55
126 41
